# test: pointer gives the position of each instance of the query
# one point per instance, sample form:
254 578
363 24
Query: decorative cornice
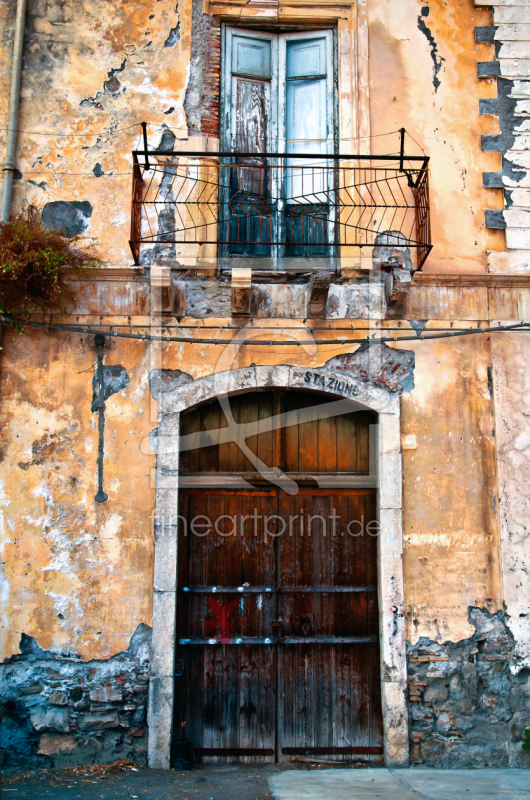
263 11
472 279
107 274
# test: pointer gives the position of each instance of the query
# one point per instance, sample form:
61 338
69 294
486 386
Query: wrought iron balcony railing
199 208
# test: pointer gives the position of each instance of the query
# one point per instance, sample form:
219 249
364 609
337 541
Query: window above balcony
279 196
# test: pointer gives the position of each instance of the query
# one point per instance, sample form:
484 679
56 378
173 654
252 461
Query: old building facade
266 485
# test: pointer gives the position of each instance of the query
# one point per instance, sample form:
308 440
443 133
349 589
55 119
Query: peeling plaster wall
69 563
449 520
423 71
511 382
93 69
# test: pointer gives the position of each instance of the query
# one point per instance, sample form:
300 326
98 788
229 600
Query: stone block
511 261
389 438
435 694
519 49
518 12
160 722
389 480
34 688
239 379
43 26
518 158
98 722
515 67
520 197
106 694
189 395
52 743
165 567
518 238
512 32
164 631
517 217
241 291
58 699
391 532
272 376
318 294
395 721
492 180
168 454
52 719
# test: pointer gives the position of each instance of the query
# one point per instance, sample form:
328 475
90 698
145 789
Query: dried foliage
33 262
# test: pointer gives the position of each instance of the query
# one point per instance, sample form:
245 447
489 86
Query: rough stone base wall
467 709
60 712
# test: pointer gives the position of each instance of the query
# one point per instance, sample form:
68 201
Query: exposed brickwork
202 96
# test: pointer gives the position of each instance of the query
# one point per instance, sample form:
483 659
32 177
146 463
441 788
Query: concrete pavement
402 784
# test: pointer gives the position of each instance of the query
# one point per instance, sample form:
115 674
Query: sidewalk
403 784
267 782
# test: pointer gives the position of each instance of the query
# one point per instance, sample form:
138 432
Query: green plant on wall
33 267
526 743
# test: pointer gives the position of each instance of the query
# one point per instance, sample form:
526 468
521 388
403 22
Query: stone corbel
397 287
318 295
241 292
168 298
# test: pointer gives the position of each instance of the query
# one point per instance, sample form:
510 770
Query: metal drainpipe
12 125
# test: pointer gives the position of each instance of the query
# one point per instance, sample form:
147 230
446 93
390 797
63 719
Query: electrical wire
74 135
163 127
337 343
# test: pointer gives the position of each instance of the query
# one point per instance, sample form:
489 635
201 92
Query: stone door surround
390 541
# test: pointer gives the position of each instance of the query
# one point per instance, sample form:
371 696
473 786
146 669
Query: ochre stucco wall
64 554
450 528
439 106
71 51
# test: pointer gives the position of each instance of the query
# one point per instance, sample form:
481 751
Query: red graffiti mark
221 620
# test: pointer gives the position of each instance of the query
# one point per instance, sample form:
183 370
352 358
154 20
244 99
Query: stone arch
185 393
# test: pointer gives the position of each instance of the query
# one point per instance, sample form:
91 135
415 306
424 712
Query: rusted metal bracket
283 640
277 590
329 751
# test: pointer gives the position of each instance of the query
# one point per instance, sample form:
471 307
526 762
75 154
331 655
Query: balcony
280 211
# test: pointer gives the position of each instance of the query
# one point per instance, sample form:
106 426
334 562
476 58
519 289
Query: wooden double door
277 613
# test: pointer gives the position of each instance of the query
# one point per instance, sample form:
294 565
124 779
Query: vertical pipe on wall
12 125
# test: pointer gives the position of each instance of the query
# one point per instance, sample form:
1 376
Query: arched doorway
277 609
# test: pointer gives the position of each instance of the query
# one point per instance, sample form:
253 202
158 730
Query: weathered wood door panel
228 689
277 612
328 685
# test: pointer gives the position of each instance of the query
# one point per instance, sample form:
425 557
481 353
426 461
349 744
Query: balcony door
278 98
